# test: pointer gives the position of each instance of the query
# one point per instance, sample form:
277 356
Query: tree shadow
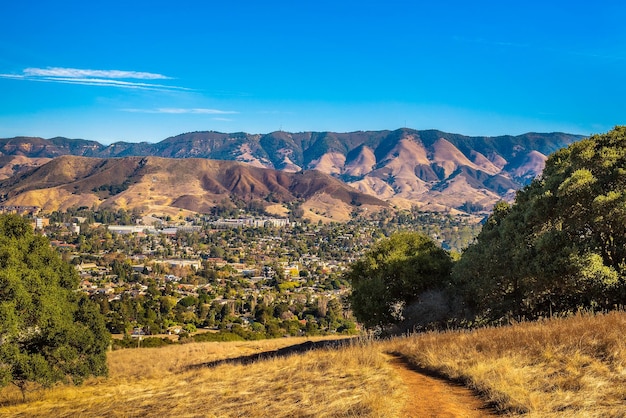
278 353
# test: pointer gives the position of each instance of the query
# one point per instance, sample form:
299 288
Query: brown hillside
154 184
405 164
362 163
12 165
531 165
448 157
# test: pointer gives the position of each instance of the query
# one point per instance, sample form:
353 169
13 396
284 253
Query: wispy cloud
80 73
87 77
181 111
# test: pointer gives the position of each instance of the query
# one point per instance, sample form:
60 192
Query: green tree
561 246
393 274
48 331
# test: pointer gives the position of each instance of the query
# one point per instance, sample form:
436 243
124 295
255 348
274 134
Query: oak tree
49 332
561 246
393 274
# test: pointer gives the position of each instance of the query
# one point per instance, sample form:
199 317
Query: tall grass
573 367
355 380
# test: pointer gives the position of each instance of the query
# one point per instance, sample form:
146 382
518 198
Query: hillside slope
153 184
432 169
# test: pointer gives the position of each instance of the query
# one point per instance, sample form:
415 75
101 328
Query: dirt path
430 397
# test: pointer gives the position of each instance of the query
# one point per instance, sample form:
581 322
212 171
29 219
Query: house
62 244
87 267
130 229
138 268
194 264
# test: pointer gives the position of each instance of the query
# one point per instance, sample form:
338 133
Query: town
208 277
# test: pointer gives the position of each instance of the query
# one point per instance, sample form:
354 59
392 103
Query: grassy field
572 367
193 380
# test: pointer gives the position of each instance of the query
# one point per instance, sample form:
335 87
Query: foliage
220 336
320 251
561 246
393 274
145 342
48 331
102 215
112 189
453 232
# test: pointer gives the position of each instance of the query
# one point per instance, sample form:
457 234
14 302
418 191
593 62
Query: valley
238 276
331 209
239 279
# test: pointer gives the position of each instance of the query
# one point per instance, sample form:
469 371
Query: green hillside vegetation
558 249
393 274
561 246
48 331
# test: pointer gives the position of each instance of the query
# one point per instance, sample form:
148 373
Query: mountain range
431 169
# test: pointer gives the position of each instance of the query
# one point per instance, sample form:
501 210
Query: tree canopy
393 274
48 331
562 245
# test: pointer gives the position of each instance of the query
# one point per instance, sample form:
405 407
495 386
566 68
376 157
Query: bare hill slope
153 183
431 169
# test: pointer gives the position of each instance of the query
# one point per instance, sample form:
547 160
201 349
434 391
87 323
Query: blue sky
143 71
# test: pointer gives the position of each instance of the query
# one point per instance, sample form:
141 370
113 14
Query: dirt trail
430 397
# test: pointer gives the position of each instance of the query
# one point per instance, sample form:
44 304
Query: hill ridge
157 183
404 166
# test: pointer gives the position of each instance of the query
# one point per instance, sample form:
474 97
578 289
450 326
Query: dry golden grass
355 380
323 207
573 367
